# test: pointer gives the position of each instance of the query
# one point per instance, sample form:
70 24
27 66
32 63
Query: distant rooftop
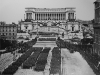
50 8
4 24
97 1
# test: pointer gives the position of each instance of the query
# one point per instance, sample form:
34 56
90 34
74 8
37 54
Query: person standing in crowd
98 66
63 35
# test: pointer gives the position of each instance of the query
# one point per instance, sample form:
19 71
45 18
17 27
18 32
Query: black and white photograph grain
49 37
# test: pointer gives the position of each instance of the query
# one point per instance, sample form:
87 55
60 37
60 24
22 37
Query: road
74 64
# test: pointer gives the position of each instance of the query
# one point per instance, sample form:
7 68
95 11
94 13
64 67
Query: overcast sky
14 10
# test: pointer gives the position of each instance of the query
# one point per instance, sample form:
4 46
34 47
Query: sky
14 10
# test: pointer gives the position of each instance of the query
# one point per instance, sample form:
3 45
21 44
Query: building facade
97 27
74 29
64 18
8 31
43 16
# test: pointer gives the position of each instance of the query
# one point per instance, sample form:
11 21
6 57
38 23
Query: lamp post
37 29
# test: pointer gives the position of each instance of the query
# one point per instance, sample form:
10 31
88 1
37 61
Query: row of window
6 30
7 27
11 38
7 33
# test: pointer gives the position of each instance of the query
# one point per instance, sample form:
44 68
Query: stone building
97 27
74 29
64 18
8 31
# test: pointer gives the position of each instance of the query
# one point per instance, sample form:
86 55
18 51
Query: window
9 33
72 28
26 27
13 33
2 33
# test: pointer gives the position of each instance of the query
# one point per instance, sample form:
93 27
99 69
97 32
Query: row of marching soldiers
22 47
85 47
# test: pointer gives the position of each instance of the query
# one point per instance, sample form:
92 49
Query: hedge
32 59
47 39
42 60
55 61
14 66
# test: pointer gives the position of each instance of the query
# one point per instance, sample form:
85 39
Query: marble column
45 16
73 15
27 15
40 16
66 14
61 16
56 16
36 16
33 16
51 16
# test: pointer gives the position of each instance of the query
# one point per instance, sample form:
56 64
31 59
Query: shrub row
85 49
55 61
26 45
47 39
46 50
48 35
14 46
39 67
14 67
32 59
42 60
61 44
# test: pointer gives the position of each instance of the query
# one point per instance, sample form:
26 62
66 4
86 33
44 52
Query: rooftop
97 1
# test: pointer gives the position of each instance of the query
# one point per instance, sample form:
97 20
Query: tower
71 15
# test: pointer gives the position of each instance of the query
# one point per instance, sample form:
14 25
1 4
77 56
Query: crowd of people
85 49
12 46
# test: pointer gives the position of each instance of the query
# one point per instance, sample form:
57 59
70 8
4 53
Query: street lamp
58 30
37 29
